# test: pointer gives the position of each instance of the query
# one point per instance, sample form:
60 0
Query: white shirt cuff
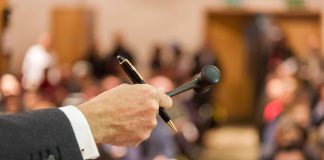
82 132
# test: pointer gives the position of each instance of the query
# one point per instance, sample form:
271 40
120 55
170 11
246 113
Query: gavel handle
183 88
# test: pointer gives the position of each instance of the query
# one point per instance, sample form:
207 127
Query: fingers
164 100
157 94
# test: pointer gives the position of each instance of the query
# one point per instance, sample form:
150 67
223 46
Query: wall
144 22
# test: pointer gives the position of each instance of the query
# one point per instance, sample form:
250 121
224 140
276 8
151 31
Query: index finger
165 100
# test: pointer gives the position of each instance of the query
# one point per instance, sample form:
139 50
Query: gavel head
209 75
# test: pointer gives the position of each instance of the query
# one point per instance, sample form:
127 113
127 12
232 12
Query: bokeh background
268 105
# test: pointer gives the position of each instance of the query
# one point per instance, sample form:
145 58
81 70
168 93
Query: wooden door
72 32
3 58
234 96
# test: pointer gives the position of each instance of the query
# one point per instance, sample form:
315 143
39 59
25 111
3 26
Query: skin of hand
124 115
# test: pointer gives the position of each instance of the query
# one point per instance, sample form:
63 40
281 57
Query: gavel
201 82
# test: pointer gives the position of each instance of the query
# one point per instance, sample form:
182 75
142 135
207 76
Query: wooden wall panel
297 29
72 31
234 97
322 28
3 59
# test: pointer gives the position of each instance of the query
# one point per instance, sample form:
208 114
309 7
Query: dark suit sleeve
39 135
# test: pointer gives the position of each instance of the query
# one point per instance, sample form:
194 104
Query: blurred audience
292 115
293 96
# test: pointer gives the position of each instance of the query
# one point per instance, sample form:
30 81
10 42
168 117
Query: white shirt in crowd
36 60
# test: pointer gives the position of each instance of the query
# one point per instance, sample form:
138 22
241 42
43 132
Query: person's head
274 88
287 68
12 104
289 154
290 89
110 82
9 85
283 89
45 40
34 100
288 134
300 114
162 82
90 89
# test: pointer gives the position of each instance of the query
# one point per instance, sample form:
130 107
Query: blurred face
274 88
290 86
12 105
90 90
301 115
110 82
45 40
162 82
9 85
30 100
288 136
290 155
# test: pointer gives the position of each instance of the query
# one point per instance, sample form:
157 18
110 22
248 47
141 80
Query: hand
124 115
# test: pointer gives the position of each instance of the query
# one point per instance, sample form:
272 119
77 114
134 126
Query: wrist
89 115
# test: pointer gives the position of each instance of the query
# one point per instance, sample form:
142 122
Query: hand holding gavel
201 82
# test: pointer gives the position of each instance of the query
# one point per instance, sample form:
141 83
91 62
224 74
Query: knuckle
153 106
149 90
153 123
145 87
124 85
144 136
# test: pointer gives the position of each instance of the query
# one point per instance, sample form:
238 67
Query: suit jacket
39 135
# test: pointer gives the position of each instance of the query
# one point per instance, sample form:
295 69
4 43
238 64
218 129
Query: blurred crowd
46 84
291 101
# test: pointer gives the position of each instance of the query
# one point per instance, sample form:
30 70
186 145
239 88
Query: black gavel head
209 75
